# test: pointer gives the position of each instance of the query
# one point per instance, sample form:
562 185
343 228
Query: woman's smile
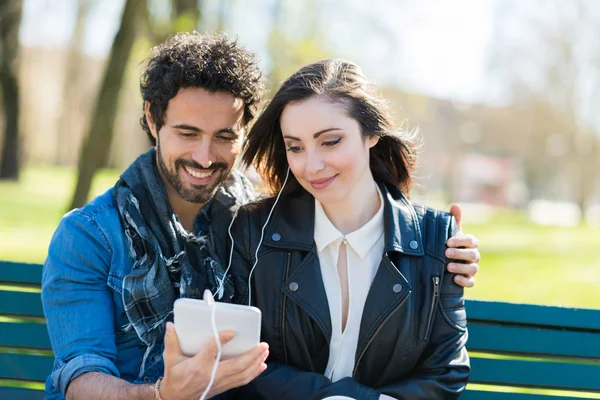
320 184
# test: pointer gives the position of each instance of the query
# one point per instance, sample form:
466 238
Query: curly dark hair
392 159
210 62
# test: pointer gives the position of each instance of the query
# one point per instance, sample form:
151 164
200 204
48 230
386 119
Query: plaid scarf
169 262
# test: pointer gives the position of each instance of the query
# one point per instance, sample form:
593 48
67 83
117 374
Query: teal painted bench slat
533 341
485 395
20 304
24 335
548 375
533 315
20 273
21 394
25 367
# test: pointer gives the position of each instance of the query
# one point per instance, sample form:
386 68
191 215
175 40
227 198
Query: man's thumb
457 213
172 349
210 349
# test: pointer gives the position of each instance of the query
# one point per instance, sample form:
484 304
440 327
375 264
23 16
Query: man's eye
226 138
187 135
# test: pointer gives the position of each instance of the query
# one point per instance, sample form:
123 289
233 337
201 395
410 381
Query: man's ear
149 120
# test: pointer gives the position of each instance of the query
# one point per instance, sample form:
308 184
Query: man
115 267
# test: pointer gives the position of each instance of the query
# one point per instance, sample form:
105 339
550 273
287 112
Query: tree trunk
587 173
96 147
71 86
10 21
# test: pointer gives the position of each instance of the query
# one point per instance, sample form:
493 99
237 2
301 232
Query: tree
72 78
289 51
548 53
96 146
186 15
10 21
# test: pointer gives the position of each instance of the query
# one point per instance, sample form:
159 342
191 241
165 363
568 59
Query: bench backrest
531 346
25 351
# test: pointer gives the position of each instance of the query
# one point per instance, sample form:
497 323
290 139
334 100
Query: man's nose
203 153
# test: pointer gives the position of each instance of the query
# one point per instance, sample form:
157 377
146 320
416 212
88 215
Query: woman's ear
149 120
372 141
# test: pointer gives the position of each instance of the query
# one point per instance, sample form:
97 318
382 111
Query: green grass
521 262
31 209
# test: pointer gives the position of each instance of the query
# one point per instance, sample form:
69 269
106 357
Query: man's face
199 142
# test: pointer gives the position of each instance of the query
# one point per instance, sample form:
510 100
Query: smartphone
192 319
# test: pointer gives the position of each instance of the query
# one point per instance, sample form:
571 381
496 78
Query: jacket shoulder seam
90 217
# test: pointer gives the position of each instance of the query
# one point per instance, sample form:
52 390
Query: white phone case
192 320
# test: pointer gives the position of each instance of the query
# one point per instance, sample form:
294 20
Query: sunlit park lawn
521 262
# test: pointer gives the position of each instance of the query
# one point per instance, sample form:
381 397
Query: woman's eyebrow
316 135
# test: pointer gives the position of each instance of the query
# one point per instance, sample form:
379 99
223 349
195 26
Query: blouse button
293 286
397 288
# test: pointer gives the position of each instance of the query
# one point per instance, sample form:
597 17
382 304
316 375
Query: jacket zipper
287 270
436 293
376 332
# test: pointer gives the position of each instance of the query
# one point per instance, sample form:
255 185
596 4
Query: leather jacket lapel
388 291
402 230
292 225
305 287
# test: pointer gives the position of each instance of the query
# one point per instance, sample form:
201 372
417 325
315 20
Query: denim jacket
82 284
82 281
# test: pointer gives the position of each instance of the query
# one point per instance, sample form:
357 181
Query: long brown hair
392 159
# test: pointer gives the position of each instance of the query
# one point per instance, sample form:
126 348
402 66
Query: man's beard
197 193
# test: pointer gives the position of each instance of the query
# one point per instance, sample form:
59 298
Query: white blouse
364 249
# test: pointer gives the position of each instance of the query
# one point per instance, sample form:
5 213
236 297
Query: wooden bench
511 345
25 351
532 346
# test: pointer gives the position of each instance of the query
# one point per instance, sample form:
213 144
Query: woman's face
326 151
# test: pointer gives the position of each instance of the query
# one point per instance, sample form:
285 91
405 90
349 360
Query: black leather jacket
413 331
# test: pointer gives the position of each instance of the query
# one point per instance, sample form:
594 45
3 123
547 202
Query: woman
350 276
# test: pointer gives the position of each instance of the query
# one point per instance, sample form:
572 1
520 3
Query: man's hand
187 377
463 248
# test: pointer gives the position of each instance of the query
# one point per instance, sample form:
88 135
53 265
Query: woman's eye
332 142
294 149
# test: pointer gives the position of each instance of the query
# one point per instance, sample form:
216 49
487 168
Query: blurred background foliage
504 93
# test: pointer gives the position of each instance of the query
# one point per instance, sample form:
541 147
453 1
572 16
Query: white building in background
494 181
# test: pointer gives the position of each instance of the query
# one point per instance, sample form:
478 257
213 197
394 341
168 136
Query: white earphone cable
208 298
230 251
262 235
221 284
